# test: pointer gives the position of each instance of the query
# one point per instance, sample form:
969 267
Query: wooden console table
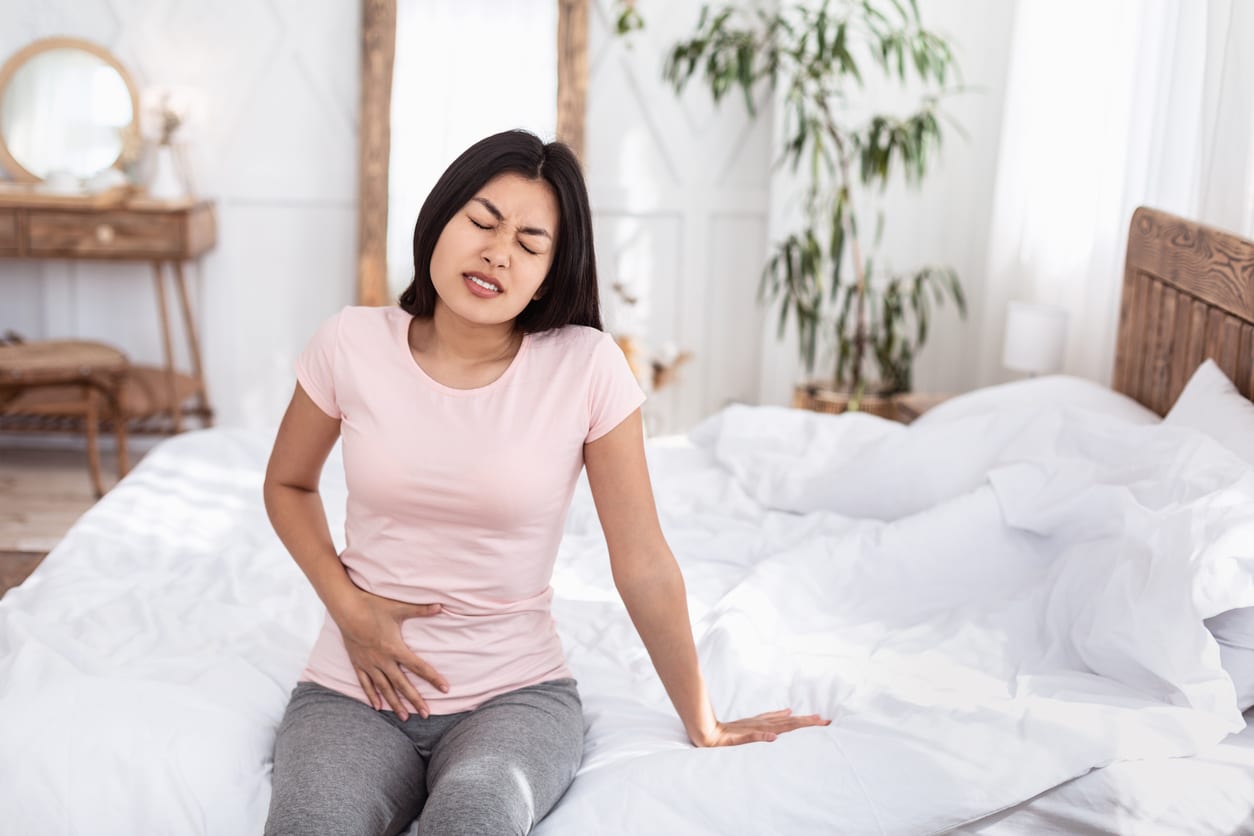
112 228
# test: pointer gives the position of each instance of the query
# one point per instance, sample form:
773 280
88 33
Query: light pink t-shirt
459 496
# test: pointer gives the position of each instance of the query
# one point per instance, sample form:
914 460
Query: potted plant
824 276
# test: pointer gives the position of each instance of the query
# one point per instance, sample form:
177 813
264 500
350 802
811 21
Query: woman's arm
369 623
652 587
304 441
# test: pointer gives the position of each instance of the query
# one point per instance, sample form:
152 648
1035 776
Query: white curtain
464 69
1111 104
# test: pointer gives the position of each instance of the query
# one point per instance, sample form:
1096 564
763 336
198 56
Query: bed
1007 608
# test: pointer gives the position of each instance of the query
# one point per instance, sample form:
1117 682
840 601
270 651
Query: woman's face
496 250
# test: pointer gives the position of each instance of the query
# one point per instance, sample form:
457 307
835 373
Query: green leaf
959 298
820 28
836 251
810 51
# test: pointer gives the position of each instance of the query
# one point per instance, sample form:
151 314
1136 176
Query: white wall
682 194
946 220
686 206
679 196
279 156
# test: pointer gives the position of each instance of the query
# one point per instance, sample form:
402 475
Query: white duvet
985 606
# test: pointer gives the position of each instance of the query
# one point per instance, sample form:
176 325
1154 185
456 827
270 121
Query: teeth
483 284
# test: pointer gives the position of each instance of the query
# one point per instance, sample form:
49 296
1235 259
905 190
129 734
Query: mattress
985 609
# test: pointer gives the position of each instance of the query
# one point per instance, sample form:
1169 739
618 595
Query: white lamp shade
1036 337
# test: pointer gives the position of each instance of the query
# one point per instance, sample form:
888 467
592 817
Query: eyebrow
496 213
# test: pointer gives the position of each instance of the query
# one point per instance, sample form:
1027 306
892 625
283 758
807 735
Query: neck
448 336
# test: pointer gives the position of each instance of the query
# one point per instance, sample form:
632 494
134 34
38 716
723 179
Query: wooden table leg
176 412
93 450
113 397
193 347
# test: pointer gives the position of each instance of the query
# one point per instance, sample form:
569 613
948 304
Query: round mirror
66 105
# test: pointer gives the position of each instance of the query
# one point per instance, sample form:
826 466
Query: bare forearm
301 523
658 606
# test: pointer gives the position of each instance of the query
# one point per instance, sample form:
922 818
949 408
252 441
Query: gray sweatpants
342 768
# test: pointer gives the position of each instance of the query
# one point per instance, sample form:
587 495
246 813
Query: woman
438 684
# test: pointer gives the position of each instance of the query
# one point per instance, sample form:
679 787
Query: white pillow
1239 663
1211 403
1052 390
1234 630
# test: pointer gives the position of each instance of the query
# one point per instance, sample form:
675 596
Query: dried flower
165 113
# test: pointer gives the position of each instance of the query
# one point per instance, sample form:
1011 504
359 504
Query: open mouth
481 286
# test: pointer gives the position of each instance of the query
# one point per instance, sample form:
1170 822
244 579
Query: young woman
437 698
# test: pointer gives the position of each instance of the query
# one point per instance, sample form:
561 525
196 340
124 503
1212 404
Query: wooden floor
42 493
15 566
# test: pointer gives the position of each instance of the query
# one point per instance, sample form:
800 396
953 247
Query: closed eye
526 249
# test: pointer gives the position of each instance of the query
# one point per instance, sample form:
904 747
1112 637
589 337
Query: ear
539 293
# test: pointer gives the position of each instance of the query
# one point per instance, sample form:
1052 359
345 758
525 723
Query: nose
495 256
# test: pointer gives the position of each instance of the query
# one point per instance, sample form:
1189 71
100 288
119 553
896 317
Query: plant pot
817 398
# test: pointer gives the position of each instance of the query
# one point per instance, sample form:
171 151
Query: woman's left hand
761 728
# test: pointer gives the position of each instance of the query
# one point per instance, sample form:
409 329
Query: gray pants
342 768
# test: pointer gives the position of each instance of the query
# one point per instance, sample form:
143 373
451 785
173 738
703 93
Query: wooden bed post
572 72
378 41
378 50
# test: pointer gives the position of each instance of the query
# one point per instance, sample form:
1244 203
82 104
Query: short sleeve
315 367
614 392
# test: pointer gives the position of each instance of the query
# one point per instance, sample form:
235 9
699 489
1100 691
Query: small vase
165 182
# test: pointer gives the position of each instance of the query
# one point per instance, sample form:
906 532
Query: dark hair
570 288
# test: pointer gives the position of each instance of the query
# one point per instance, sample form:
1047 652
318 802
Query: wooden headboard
1188 294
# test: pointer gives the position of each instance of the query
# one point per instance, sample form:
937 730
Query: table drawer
8 232
104 234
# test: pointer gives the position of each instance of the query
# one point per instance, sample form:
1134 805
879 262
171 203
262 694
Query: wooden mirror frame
18 171
378 40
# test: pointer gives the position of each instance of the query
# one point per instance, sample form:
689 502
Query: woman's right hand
372 636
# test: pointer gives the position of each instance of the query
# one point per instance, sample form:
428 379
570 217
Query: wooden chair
46 381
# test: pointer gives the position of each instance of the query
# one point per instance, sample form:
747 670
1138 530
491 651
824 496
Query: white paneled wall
277 152
945 221
687 204
682 191
679 192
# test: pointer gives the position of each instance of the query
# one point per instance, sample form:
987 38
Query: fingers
384 687
407 690
412 661
405 610
766 728
420 610
784 717
395 689
793 723
368 687
387 682
380 658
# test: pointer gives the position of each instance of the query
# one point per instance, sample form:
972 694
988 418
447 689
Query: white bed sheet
146 663
1212 792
